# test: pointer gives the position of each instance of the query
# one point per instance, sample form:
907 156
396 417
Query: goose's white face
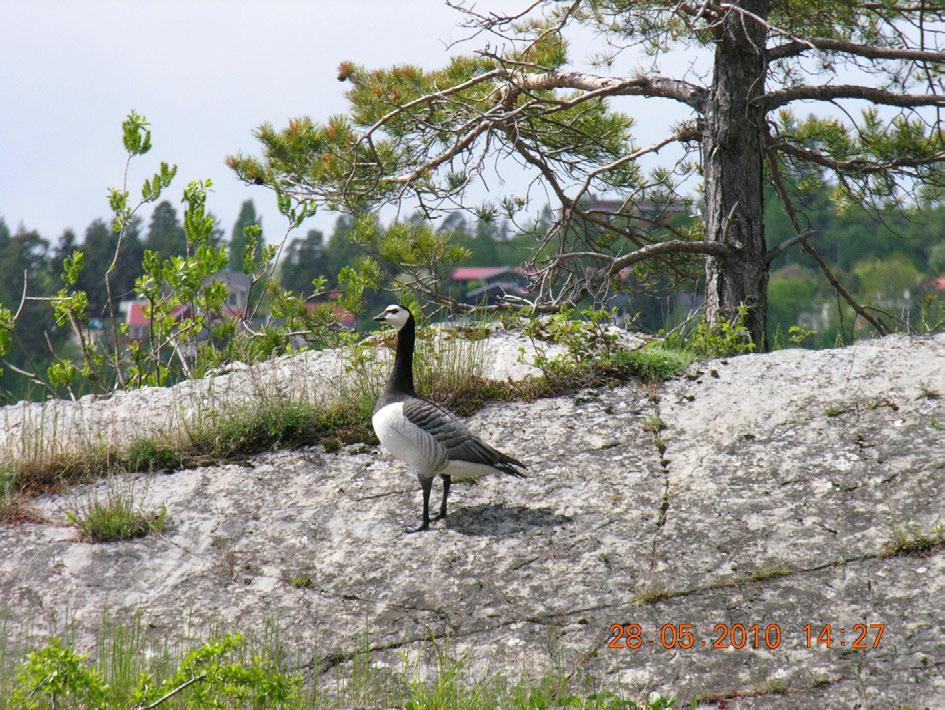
395 315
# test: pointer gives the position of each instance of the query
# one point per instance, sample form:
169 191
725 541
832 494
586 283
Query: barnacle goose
428 438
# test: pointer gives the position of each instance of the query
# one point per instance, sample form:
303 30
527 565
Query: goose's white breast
406 441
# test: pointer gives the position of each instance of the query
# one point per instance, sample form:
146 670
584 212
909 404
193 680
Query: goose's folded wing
460 443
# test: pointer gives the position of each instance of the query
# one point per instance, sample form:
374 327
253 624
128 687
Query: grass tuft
148 455
301 581
654 423
655 594
13 506
115 518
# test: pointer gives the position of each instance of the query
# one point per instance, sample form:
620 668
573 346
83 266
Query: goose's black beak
380 316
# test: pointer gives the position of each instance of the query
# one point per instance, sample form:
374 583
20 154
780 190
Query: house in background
237 286
489 284
643 214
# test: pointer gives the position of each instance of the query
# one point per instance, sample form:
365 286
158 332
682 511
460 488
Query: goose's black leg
446 492
427 485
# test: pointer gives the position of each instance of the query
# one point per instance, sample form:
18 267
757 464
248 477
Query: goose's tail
510 466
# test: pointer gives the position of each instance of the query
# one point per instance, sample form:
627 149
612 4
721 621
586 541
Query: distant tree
246 218
64 248
791 292
165 233
887 283
342 249
425 136
25 253
99 248
485 251
305 260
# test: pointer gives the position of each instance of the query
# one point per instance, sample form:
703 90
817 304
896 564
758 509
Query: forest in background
889 258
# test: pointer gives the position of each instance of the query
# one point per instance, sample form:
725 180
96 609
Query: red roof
136 313
476 273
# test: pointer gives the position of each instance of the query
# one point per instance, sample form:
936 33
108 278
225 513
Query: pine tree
165 233
425 135
305 260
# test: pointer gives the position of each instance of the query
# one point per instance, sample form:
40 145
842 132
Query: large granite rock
764 489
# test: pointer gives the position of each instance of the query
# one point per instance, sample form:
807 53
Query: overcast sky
205 73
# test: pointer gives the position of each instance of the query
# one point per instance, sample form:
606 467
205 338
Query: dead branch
689 94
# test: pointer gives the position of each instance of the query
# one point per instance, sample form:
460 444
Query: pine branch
926 6
856 166
792 49
776 99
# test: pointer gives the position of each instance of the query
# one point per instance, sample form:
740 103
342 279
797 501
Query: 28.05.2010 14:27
739 636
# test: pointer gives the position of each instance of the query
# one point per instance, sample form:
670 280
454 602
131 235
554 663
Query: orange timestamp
739 636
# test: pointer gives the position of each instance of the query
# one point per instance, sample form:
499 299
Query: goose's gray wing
460 443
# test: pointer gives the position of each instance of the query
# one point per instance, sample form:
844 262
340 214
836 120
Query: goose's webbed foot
425 525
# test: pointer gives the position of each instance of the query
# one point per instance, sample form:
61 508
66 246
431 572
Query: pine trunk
733 150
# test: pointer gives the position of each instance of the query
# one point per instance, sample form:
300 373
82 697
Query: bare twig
172 693
778 183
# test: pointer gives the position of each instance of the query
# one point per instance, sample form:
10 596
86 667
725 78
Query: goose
428 438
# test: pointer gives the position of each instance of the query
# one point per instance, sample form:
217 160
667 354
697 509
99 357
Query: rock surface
764 489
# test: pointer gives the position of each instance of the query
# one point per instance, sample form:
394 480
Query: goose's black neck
401 378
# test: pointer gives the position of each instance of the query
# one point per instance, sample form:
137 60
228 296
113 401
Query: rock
752 507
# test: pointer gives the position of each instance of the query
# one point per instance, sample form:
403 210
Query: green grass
655 594
114 518
913 541
301 581
654 423
654 363
281 423
150 455
261 671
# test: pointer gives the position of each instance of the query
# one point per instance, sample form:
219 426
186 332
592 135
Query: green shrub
728 336
57 674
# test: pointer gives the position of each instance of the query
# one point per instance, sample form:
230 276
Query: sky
205 73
